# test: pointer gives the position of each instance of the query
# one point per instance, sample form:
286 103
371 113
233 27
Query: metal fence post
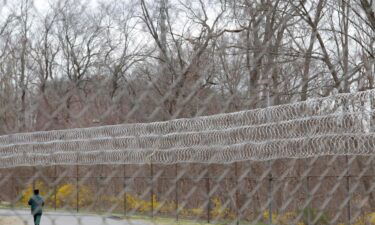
308 197
176 191
55 188
237 194
34 173
101 183
152 190
125 200
270 197
14 195
348 190
77 186
208 188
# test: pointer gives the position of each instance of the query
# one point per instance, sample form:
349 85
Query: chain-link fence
324 190
188 112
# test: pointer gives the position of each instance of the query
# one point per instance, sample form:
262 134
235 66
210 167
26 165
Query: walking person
36 202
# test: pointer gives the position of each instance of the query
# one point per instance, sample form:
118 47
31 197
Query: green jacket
36 202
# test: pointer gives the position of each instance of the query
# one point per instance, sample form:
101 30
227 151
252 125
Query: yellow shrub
286 218
198 212
28 192
66 195
360 221
282 219
266 216
144 206
367 219
218 211
131 201
371 218
167 207
185 212
140 205
85 196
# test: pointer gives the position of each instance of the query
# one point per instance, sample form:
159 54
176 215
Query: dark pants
37 218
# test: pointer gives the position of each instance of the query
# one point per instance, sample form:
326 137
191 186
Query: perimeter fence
320 190
304 163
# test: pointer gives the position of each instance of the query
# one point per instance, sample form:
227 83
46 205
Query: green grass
172 221
4 205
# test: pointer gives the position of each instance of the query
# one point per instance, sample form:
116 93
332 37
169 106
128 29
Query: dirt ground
10 220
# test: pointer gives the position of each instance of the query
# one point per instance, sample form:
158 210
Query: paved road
57 218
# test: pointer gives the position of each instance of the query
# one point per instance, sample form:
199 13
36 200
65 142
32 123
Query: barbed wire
337 122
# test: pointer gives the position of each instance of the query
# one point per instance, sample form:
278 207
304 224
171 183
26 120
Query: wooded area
80 63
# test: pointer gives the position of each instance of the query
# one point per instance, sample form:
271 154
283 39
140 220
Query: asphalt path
62 218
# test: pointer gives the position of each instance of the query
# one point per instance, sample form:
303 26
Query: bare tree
183 68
